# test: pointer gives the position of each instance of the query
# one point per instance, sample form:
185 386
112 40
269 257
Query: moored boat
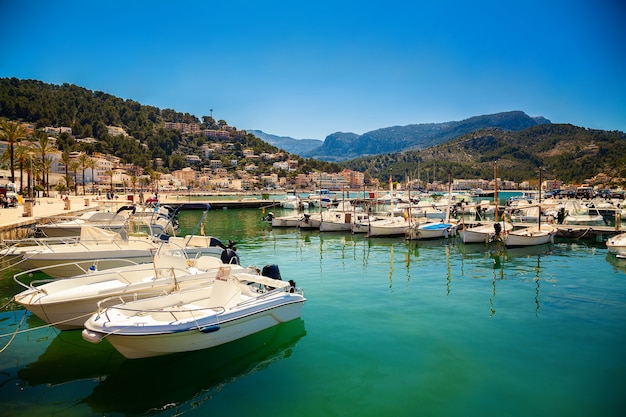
235 306
66 303
114 221
108 249
484 232
529 236
617 245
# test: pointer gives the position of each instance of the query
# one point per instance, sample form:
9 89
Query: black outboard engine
229 256
271 271
497 227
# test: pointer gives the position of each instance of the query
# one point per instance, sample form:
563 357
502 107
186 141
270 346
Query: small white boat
431 230
529 214
484 232
114 221
75 255
67 303
321 198
235 306
529 236
292 220
617 245
390 226
577 214
294 203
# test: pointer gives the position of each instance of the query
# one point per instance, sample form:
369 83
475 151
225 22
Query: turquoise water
390 328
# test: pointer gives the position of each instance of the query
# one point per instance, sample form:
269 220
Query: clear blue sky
307 69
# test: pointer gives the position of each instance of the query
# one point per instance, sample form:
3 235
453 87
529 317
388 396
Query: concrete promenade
44 207
47 207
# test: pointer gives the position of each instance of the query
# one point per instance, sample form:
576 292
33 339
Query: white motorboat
484 232
114 221
104 248
617 245
235 306
529 214
390 226
529 236
321 198
294 202
67 303
431 230
576 214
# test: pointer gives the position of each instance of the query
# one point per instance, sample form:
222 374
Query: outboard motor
497 227
271 271
229 256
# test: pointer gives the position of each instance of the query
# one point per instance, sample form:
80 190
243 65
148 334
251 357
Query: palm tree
133 180
66 160
109 173
12 132
155 176
46 165
74 165
83 158
91 163
44 147
23 155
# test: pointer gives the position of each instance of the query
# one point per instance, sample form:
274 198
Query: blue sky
307 69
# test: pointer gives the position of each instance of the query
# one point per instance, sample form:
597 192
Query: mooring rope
17 330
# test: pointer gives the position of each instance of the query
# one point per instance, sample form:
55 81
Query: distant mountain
565 152
291 145
343 146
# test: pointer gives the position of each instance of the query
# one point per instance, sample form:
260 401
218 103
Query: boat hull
530 236
617 245
482 233
67 303
435 231
134 346
286 221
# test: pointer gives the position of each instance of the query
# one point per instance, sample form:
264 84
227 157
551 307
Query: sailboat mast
539 215
495 187
449 197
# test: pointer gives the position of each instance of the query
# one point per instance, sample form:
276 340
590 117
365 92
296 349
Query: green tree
66 160
74 165
83 160
92 164
43 147
12 132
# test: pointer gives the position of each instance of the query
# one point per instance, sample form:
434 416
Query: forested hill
565 152
88 113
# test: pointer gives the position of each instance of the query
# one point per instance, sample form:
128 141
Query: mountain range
342 146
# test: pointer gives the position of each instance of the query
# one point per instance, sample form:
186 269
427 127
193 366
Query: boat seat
205 262
226 293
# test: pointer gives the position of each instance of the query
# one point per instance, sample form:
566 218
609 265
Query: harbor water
425 328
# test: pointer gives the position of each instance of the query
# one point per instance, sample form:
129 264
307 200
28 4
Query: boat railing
104 304
39 241
79 268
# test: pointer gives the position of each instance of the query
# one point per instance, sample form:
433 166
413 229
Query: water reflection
619 264
512 263
140 386
67 358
